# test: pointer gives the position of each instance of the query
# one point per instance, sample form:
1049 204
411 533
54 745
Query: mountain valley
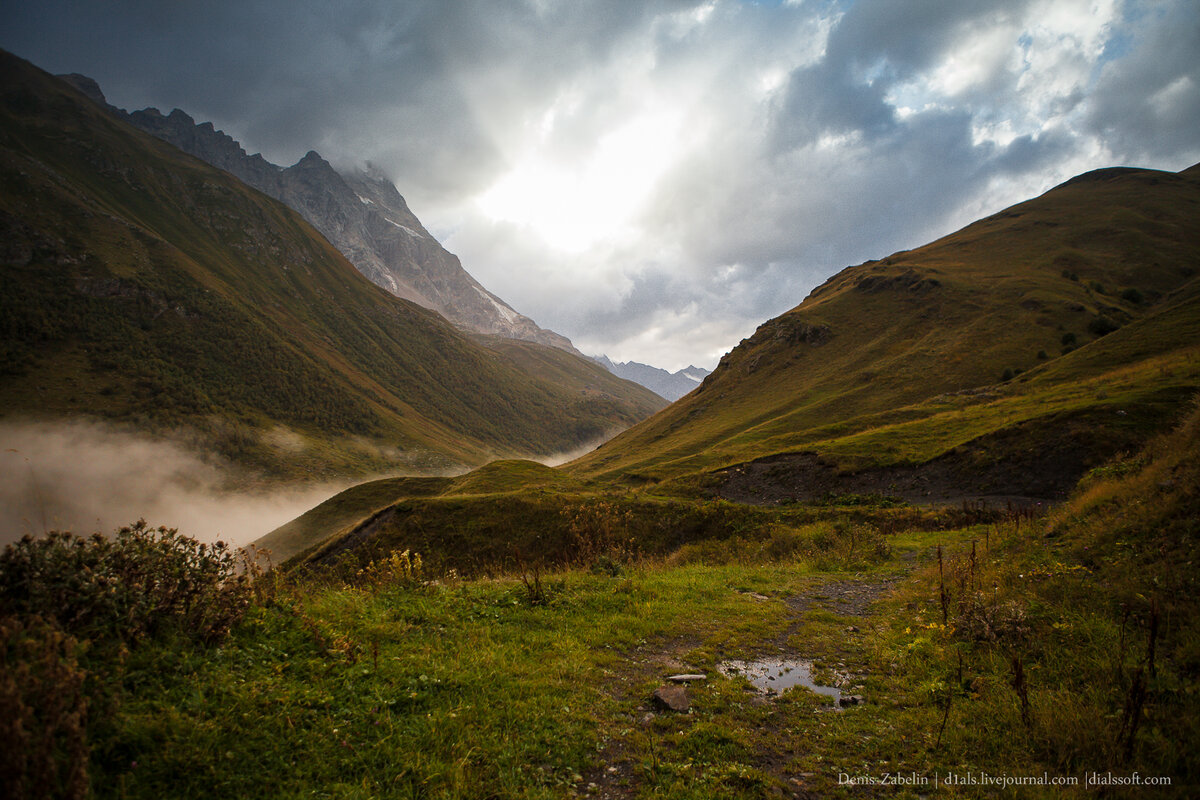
149 290
954 489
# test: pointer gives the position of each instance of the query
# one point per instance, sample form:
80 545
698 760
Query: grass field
1060 645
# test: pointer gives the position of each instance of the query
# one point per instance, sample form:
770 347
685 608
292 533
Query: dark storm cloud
802 136
1147 104
419 82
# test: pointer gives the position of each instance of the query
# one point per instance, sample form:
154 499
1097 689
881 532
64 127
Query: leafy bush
142 582
43 712
979 620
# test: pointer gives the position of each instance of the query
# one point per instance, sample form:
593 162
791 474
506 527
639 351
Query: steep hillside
360 213
143 286
1020 350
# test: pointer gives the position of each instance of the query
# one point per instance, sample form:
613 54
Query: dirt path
619 777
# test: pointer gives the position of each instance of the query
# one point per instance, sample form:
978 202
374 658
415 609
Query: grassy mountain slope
1078 305
140 285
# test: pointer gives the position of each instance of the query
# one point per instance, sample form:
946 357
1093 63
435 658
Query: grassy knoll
1062 645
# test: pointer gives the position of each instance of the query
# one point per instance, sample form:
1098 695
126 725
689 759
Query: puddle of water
774 675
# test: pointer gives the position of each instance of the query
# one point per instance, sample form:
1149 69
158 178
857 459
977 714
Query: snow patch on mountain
501 309
404 228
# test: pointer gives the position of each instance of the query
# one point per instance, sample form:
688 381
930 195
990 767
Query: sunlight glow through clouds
572 206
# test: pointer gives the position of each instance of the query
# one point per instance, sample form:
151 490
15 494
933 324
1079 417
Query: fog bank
84 477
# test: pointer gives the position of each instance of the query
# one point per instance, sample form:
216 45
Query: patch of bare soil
1036 461
848 598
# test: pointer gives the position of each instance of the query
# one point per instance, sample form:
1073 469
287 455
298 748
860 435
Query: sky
656 178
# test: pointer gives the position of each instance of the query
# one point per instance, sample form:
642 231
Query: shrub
401 567
1133 296
981 621
43 712
1103 325
600 535
142 582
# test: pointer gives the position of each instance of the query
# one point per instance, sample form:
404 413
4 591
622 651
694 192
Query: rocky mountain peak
361 213
312 159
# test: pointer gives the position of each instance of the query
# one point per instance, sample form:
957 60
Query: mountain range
142 286
360 212
668 385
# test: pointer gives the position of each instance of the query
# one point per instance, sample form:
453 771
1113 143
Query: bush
43 712
1133 296
403 568
1103 325
142 582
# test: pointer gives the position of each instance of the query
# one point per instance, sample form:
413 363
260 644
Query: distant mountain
142 286
668 385
1005 359
361 213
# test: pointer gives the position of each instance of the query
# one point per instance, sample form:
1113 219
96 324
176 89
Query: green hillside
141 286
887 382
1071 318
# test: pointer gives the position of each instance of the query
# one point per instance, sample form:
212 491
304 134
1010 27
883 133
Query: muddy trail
851 598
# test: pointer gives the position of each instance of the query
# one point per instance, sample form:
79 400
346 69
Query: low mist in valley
84 477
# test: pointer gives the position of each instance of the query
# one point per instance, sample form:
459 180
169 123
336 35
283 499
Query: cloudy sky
654 178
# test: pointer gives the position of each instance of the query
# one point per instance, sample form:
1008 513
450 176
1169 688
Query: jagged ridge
361 213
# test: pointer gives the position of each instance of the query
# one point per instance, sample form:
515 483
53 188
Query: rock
850 700
687 677
672 698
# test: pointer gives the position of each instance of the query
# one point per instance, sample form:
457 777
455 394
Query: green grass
456 690
538 684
